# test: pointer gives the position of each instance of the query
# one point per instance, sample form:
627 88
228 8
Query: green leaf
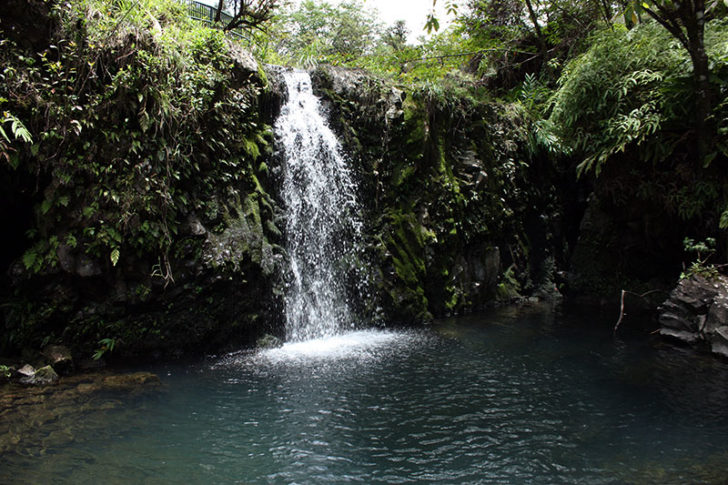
114 256
432 24
14 160
29 258
723 224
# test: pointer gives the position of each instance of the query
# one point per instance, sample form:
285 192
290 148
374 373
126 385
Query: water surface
515 396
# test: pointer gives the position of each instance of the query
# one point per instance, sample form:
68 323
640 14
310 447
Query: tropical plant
106 345
702 251
18 132
627 91
685 21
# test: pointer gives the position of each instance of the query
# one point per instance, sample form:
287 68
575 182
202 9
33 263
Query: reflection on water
517 396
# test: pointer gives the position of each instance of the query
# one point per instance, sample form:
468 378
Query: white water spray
323 227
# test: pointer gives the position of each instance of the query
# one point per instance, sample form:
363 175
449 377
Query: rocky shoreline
36 418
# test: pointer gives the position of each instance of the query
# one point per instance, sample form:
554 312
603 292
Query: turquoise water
515 396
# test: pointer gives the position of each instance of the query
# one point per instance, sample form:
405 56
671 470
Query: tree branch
621 305
664 19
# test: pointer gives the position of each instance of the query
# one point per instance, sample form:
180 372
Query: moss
450 179
508 288
405 244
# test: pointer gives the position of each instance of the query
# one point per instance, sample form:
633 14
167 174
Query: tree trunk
695 29
218 13
537 28
607 11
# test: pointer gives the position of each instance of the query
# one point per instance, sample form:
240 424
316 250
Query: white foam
359 344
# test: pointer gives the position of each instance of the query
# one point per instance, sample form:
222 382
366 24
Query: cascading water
323 229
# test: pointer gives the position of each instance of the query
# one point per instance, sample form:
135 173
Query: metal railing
206 14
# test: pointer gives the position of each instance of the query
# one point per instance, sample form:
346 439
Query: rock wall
633 231
159 233
460 214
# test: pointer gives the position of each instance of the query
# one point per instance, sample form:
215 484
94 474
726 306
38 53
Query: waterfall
323 227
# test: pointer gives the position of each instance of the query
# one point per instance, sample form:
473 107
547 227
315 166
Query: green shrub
136 118
632 90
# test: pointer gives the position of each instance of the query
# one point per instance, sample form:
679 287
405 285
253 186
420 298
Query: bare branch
665 18
252 14
621 305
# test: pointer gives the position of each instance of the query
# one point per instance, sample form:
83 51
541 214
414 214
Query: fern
611 97
18 129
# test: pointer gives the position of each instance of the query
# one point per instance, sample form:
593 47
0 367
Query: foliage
17 130
685 21
106 345
627 91
702 250
118 105
509 38
436 59
248 14
140 118
314 32
396 36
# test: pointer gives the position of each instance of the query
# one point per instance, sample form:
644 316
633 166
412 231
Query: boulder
26 371
87 267
42 377
717 314
395 113
719 341
697 313
194 225
695 294
60 358
245 67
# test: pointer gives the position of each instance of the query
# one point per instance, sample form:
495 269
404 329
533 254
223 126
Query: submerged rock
38 418
42 377
697 313
130 382
26 371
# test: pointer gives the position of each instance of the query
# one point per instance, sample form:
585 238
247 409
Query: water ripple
483 404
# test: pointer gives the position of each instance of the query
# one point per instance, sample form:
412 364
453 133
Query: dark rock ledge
696 313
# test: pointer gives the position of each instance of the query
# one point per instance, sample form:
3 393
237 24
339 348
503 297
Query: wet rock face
212 291
697 313
268 341
456 215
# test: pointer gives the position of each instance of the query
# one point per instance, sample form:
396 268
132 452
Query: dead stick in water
621 305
